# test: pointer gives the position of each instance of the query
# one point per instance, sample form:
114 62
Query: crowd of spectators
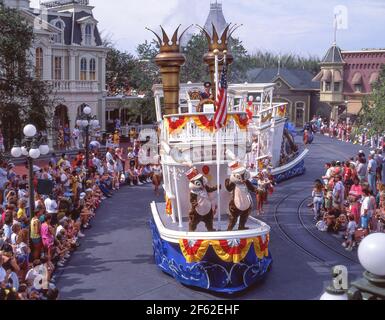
350 197
347 132
33 245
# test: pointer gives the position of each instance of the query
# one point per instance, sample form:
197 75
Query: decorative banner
234 250
204 123
194 250
168 206
266 118
261 246
206 170
242 120
282 111
176 124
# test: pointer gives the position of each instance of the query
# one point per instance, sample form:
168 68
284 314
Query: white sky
297 26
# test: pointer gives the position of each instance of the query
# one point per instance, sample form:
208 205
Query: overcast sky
281 26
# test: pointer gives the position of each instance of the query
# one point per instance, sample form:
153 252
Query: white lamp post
32 150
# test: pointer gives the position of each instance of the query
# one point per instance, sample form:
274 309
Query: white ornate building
68 52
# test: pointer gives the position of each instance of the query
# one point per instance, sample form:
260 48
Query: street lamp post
371 254
32 148
85 121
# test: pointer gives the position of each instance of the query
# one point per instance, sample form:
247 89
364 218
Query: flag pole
218 151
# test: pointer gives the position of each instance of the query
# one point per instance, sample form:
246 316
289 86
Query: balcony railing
75 86
199 127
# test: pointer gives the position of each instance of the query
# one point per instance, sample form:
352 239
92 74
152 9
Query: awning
374 77
357 78
318 77
337 76
327 76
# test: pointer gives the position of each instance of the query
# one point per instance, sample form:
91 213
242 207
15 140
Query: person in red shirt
356 188
347 176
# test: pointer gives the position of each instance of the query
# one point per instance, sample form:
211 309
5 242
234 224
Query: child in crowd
350 232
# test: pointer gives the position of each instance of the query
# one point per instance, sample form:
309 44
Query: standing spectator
372 172
35 233
67 137
318 196
361 169
338 193
3 179
350 232
76 137
365 210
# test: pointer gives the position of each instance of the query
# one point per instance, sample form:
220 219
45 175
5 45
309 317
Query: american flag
221 102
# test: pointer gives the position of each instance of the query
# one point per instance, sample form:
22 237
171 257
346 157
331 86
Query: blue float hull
296 171
211 273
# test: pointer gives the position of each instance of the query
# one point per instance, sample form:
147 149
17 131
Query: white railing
191 133
75 86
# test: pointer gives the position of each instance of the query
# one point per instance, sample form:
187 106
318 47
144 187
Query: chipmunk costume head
201 206
241 203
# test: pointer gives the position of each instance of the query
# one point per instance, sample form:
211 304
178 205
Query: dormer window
58 38
358 88
337 86
88 35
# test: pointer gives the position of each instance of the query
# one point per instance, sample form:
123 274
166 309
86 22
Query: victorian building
296 88
68 53
348 76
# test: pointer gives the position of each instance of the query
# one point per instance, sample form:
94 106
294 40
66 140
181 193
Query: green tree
22 98
373 107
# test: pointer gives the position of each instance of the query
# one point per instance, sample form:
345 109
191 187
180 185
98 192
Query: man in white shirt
76 137
372 172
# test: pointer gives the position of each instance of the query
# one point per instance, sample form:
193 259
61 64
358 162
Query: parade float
204 234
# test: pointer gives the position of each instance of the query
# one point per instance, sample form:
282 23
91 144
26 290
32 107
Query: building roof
58 3
333 55
215 17
72 30
297 79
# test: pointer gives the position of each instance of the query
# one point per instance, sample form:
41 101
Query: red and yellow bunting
266 118
261 246
168 206
232 250
282 111
193 250
242 120
204 123
176 124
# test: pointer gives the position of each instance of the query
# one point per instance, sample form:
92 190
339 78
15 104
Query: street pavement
115 260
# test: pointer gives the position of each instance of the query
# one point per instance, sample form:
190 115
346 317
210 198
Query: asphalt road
115 259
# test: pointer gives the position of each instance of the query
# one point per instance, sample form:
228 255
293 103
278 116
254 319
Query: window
299 114
58 68
39 63
337 86
328 86
358 87
83 69
57 38
88 35
92 69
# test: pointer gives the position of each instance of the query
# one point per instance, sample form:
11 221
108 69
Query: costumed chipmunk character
202 209
241 203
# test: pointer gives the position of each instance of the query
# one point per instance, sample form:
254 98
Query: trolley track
300 244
